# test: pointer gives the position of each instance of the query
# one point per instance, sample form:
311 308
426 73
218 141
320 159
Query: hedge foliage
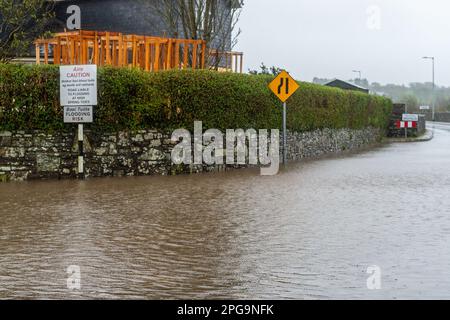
132 99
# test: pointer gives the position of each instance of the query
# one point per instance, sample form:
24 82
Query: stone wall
328 141
36 155
442 116
439 116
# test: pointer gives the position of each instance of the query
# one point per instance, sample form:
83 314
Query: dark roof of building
347 83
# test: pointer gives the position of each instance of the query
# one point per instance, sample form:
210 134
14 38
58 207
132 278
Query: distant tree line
416 94
413 95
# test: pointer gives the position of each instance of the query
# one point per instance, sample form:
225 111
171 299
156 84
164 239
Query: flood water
309 233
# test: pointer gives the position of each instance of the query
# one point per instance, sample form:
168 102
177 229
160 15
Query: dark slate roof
346 82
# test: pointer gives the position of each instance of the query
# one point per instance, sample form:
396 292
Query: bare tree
21 21
214 21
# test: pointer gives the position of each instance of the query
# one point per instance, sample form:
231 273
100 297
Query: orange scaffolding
117 49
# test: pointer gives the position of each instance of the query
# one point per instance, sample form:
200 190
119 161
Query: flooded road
310 232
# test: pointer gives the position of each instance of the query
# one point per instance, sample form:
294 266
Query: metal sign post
80 151
284 133
284 86
78 95
406 127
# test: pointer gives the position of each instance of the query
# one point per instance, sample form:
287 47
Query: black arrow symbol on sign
282 85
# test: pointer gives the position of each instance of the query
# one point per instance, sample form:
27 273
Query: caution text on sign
78 85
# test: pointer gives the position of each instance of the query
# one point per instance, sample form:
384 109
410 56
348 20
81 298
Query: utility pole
434 86
284 133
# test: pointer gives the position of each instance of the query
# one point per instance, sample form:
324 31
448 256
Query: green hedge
132 99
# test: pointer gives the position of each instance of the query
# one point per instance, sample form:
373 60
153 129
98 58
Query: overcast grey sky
386 39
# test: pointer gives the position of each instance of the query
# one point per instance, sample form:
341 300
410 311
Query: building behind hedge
345 85
125 16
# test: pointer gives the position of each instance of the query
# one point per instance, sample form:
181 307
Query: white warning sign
84 114
78 85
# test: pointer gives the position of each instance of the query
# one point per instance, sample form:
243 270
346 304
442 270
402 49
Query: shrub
133 99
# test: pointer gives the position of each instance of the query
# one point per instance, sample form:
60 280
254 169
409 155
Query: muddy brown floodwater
310 232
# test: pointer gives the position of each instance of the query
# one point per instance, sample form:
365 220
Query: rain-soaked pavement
310 232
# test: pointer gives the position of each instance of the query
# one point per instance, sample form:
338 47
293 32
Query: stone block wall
37 155
28 155
143 152
439 116
442 117
329 141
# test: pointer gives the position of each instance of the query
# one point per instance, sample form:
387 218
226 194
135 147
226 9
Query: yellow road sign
283 86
